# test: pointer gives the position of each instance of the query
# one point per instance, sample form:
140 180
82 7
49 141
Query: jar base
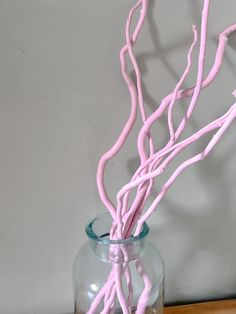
149 310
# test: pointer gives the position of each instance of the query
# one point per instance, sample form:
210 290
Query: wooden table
216 307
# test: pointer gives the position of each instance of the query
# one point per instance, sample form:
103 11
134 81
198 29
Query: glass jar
101 258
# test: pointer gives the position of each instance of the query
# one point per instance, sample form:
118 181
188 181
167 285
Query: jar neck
114 251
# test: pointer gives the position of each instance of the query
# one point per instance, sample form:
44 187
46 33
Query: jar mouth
103 236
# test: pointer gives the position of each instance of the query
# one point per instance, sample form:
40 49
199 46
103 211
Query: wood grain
216 307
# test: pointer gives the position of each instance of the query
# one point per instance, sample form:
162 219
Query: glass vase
101 257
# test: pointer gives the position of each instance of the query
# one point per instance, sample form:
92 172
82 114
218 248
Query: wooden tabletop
216 307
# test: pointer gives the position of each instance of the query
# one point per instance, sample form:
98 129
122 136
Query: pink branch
176 90
120 210
129 124
224 126
119 289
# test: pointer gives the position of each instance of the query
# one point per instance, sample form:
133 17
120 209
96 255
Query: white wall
62 103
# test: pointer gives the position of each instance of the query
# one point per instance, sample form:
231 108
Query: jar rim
89 228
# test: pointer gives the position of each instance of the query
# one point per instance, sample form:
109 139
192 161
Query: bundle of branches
129 214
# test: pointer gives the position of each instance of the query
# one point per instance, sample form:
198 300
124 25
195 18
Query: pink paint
153 164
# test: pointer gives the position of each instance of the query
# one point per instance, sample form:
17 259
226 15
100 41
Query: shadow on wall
206 227
158 52
232 42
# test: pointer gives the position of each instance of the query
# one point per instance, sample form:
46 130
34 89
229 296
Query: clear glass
97 257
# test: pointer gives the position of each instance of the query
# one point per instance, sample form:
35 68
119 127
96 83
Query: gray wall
62 103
